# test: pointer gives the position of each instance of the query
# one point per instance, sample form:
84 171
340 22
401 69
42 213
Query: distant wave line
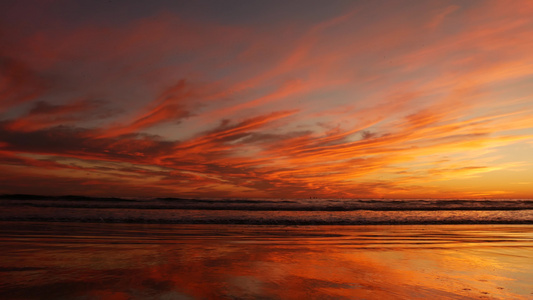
270 208
253 221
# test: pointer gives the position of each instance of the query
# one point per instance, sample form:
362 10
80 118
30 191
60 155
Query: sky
283 99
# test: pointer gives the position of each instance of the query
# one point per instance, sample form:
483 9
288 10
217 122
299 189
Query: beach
60 260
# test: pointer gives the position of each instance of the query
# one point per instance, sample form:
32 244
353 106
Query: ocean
108 248
266 211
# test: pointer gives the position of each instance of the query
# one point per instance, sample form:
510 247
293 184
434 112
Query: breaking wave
266 211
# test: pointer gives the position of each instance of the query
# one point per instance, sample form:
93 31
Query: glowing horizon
349 99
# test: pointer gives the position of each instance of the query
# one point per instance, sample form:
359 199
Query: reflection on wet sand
134 261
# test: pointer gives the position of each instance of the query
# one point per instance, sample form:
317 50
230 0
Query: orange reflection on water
127 261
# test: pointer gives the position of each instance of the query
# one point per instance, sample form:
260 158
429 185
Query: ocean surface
266 211
115 249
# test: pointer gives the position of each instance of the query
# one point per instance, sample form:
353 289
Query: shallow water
171 261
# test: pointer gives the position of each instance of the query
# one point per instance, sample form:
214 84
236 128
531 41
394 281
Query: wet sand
172 261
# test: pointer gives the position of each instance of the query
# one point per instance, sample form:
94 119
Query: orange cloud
366 103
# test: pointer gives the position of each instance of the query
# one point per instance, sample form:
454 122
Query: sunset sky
356 99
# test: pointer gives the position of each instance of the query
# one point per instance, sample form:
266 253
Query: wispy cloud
375 100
